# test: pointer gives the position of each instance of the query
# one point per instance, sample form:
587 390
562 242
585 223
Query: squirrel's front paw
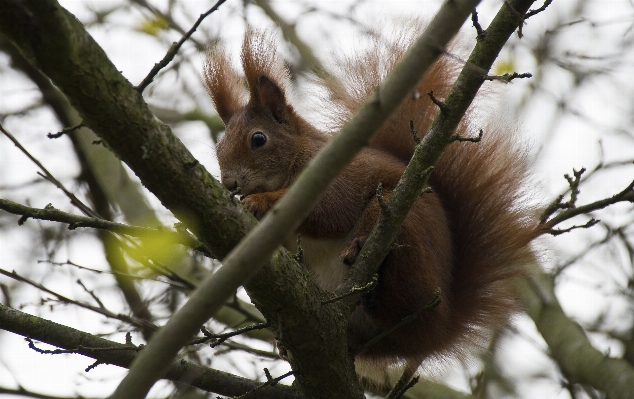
351 250
258 204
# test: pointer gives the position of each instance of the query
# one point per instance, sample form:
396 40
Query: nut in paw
257 204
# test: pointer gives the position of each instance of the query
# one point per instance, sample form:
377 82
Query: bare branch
142 324
508 77
74 221
221 338
626 195
481 33
173 50
537 11
64 131
48 176
569 346
109 352
573 187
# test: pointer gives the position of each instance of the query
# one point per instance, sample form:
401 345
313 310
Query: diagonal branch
173 50
110 352
48 176
570 347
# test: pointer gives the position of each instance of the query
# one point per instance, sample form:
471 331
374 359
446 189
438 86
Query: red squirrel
469 236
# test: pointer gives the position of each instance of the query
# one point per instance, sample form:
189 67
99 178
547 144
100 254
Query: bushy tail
482 186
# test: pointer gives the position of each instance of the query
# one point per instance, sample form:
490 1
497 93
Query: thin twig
173 50
508 77
404 383
478 138
74 221
64 131
443 107
481 33
626 195
270 382
573 187
220 338
540 9
91 293
85 209
142 324
231 346
355 290
590 223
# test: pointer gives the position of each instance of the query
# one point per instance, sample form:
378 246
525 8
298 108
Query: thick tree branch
54 41
569 346
109 184
109 352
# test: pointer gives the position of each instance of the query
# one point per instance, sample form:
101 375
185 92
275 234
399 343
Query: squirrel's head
255 153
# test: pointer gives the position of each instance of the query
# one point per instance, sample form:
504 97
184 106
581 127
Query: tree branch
569 346
75 221
139 323
627 194
48 176
173 50
110 352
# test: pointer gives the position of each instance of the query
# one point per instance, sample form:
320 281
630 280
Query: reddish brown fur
468 238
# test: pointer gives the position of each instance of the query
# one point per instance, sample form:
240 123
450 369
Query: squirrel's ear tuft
223 84
266 73
271 97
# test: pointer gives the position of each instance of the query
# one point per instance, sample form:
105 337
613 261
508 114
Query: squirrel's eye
258 139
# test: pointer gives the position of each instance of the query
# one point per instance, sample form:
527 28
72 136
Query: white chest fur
321 257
